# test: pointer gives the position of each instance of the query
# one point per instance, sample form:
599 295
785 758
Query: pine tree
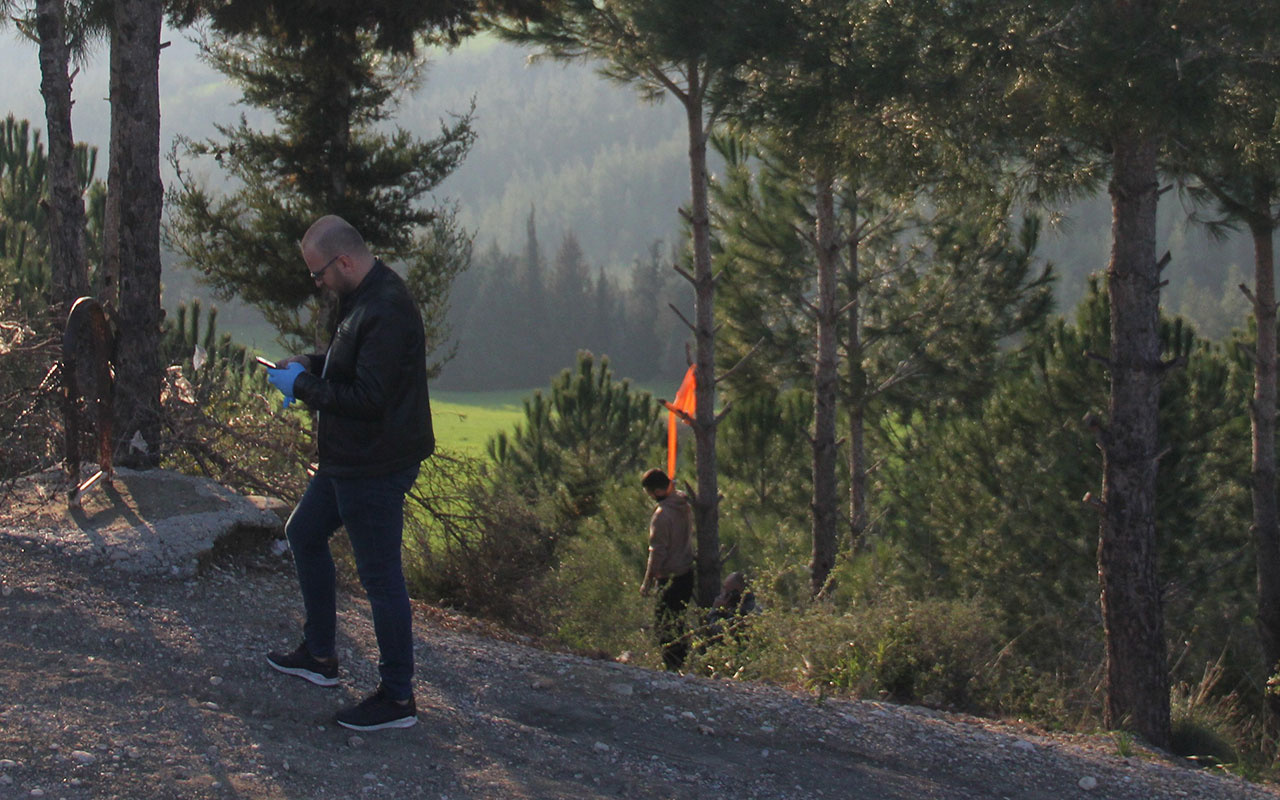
667 48
328 87
1100 86
979 504
918 304
67 217
25 262
24 242
588 431
135 196
527 329
1231 164
569 299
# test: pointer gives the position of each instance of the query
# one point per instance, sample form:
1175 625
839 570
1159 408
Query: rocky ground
115 684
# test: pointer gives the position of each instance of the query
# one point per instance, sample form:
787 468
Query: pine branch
1253 301
741 361
1101 359
1173 363
723 413
684 415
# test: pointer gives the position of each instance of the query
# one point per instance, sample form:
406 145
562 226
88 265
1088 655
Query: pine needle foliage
587 431
330 92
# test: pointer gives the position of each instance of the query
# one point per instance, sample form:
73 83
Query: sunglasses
318 274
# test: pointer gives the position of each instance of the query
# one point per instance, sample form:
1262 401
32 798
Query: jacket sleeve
383 352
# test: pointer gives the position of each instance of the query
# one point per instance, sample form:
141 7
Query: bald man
369 392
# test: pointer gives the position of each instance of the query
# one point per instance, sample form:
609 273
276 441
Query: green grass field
464 421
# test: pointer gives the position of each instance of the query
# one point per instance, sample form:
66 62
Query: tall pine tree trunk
707 504
66 235
1137 676
1266 527
138 193
339 90
857 400
825 386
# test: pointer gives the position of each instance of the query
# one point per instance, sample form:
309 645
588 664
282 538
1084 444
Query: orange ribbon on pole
686 402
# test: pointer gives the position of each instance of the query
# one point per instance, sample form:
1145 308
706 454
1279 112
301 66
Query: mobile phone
269 364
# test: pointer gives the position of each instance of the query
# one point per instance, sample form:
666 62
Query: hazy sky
588 153
616 178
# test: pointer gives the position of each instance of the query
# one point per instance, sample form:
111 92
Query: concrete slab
145 522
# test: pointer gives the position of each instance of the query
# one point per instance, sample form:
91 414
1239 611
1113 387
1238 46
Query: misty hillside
592 158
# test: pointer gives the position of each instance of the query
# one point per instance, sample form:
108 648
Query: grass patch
465 421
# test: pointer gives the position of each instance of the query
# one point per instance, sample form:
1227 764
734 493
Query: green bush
596 605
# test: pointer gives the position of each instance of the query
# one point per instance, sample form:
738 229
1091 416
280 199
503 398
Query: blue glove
283 380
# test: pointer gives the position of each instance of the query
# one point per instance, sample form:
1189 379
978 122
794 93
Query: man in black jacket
369 392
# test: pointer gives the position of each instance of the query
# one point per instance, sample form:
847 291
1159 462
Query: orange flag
685 401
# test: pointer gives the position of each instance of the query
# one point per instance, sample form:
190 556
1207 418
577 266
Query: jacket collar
375 276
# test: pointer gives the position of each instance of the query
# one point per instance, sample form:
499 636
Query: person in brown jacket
670 566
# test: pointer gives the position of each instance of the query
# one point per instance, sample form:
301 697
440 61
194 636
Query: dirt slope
113 685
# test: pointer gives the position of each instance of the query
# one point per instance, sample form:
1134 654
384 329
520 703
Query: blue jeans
372 509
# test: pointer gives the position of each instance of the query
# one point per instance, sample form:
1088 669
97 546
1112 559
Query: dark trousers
372 509
674 595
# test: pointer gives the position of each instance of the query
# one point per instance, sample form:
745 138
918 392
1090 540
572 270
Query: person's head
336 254
731 589
656 483
734 582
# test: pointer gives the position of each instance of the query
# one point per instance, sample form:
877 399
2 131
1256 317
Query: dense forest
594 161
977 301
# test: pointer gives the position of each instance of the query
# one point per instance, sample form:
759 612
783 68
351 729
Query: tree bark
1137 676
857 399
135 161
707 503
1266 527
339 91
67 218
825 386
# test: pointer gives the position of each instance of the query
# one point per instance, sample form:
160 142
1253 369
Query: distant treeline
519 318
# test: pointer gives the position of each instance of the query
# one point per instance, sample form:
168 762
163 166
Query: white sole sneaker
305 674
403 722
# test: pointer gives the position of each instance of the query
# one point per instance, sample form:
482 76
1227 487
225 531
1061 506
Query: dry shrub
474 547
936 653
30 405
235 432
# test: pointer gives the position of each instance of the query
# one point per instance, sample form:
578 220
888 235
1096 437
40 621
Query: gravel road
119 686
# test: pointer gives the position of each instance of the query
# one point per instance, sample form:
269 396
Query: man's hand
283 380
645 588
305 361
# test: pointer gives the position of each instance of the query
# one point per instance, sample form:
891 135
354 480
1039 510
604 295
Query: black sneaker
378 711
306 666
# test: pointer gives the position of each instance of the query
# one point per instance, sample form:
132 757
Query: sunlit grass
465 421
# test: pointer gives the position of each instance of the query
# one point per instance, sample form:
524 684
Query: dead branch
682 317
1092 502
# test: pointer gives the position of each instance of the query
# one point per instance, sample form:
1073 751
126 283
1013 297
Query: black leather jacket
371 388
